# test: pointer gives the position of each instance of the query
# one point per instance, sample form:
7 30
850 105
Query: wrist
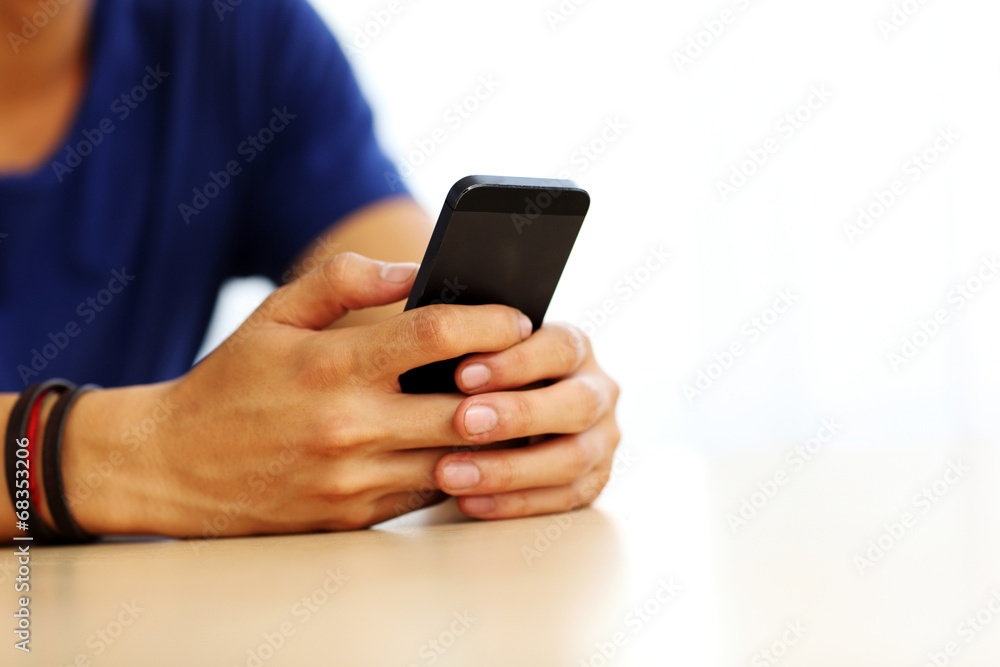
110 463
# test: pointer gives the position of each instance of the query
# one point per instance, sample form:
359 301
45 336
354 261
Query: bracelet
34 414
55 491
17 426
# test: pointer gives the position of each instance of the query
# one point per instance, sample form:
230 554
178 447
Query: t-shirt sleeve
311 147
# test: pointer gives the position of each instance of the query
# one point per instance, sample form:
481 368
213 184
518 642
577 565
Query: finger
408 471
554 351
346 282
435 333
364 514
553 462
531 502
397 504
427 422
570 406
424 421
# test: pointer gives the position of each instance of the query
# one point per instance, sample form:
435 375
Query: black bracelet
55 491
17 426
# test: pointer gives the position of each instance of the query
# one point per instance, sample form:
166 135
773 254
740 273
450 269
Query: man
152 149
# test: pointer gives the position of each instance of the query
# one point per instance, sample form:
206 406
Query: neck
36 53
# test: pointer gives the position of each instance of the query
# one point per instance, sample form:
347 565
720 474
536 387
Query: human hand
560 473
289 426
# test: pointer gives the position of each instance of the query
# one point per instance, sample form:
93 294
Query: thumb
344 283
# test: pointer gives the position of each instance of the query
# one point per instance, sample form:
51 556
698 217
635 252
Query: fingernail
462 475
480 419
525 327
474 376
479 504
397 273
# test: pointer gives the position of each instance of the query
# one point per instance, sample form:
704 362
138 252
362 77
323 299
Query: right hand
290 426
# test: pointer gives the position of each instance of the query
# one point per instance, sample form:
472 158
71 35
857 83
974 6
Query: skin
296 423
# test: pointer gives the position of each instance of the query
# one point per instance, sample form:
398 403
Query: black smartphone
498 240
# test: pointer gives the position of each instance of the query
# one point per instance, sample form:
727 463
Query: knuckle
324 371
517 503
336 269
511 364
572 348
504 473
434 327
520 414
580 457
589 403
343 433
336 488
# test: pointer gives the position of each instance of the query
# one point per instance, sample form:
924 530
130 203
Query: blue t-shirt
213 140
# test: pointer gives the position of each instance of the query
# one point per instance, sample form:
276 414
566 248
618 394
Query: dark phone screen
483 258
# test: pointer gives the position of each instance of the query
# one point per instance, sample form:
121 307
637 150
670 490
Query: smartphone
498 240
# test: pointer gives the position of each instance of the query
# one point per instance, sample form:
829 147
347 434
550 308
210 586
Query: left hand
557 474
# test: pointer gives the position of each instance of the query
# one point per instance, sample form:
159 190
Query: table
838 559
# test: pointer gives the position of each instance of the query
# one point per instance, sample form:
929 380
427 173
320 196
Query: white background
686 127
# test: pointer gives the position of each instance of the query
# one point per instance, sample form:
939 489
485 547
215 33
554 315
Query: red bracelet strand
34 483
